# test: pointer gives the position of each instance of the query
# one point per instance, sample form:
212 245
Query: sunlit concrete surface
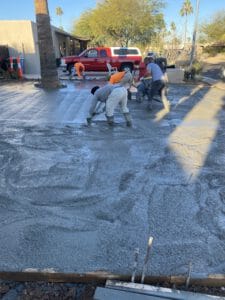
78 198
192 139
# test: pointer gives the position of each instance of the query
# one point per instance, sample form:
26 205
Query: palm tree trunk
49 75
194 34
185 30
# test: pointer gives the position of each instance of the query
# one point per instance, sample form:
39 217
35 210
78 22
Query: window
103 53
92 53
126 51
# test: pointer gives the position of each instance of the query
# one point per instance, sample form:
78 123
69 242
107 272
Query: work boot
139 97
89 119
149 107
128 119
110 120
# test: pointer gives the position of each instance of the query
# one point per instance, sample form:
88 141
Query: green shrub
191 72
197 66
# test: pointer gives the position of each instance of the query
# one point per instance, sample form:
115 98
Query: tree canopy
186 8
213 31
59 12
121 23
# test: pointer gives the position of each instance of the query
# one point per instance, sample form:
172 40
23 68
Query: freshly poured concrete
79 198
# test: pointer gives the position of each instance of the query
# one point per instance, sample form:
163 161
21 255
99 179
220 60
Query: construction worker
79 67
158 83
116 97
99 96
112 95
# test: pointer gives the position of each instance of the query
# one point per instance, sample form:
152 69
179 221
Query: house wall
21 38
56 43
60 42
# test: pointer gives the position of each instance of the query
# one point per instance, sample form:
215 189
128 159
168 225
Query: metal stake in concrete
150 240
136 253
189 274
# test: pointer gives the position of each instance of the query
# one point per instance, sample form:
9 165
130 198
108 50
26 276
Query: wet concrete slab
78 198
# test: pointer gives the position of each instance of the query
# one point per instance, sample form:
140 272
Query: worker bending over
79 67
112 95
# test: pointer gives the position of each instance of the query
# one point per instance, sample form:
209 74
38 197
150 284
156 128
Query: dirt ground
46 291
75 291
212 65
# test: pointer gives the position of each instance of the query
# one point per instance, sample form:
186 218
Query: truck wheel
127 66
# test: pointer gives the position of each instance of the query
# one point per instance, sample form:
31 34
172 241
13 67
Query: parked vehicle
97 58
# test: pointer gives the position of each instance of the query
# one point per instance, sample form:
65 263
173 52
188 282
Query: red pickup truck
96 58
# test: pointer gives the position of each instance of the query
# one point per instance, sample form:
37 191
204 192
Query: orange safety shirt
116 77
79 68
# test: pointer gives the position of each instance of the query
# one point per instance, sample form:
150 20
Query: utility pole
194 34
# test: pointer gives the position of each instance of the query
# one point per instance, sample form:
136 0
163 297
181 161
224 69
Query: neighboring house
215 47
21 39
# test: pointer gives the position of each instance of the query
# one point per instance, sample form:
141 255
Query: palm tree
49 75
173 32
194 34
186 10
59 12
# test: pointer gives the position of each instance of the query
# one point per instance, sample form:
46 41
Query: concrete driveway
78 199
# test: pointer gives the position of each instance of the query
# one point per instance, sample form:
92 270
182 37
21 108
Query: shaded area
212 66
213 71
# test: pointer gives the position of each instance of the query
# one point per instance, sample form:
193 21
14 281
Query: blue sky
24 10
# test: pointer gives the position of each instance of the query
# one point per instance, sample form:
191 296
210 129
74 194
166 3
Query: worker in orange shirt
79 67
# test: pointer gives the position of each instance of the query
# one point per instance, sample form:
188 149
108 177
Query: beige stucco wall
21 38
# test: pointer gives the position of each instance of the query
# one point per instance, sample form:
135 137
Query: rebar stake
150 240
189 274
136 253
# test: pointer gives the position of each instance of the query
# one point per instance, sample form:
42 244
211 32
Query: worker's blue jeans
143 89
156 88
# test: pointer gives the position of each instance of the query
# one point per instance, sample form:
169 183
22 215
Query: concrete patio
77 198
